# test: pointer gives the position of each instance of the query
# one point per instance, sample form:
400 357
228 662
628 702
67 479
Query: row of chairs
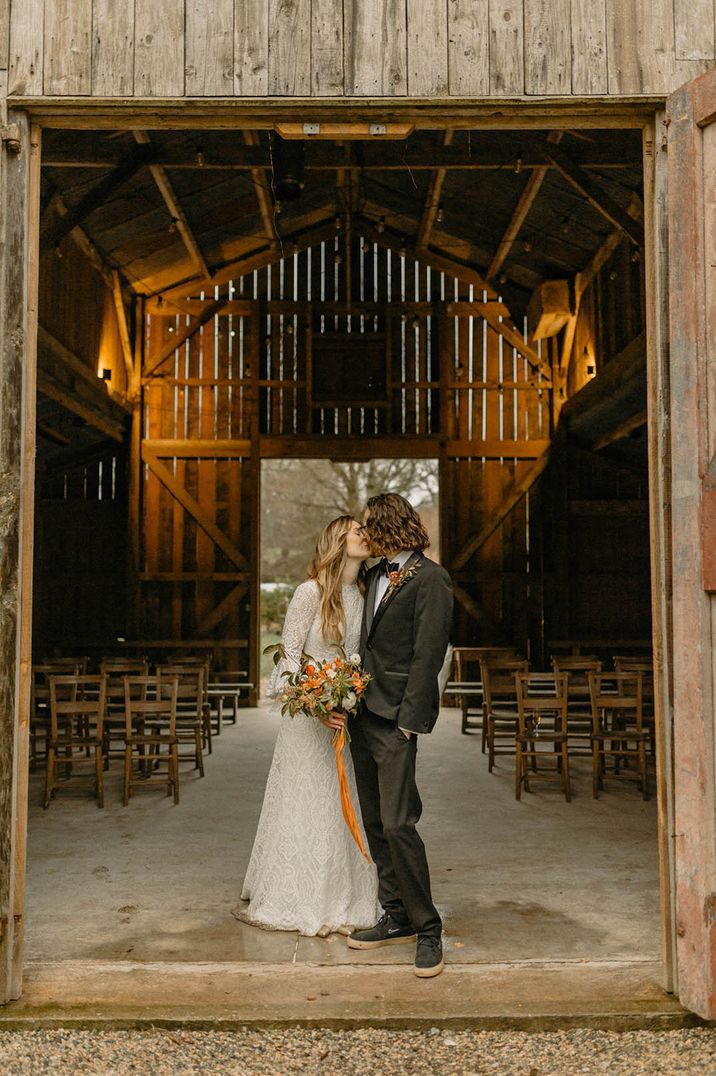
122 712
577 709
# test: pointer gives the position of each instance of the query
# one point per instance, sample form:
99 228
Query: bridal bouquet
321 689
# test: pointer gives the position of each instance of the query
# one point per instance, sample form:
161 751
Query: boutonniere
396 580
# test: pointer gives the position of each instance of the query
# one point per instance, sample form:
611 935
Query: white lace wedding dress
306 872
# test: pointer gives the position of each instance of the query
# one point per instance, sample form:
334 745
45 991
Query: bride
306 872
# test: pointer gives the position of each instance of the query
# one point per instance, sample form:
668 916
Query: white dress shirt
381 586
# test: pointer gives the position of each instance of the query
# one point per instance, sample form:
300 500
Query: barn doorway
508 343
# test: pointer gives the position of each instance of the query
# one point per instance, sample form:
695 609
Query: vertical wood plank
589 46
159 48
660 497
68 48
506 48
289 48
694 29
251 36
640 46
427 49
375 48
26 47
19 215
113 48
548 46
4 38
209 48
468 48
327 48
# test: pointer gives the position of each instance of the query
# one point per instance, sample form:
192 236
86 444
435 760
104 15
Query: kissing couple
306 872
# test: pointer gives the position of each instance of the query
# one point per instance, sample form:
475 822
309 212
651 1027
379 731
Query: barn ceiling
175 209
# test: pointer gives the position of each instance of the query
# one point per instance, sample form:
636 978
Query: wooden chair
618 730
190 662
644 664
542 702
77 707
579 705
115 670
193 712
150 704
500 704
40 701
467 672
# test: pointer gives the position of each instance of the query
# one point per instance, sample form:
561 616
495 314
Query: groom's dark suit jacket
403 645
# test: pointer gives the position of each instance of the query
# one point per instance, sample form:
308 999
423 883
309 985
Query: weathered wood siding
345 48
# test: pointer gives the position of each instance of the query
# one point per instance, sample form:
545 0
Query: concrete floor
540 880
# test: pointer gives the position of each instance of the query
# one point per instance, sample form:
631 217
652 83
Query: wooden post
19 221
657 285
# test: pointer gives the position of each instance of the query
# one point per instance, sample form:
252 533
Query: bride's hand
335 721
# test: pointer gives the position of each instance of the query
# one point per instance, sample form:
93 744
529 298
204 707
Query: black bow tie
389 566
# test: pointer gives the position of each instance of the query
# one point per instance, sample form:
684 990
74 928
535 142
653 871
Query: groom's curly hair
393 524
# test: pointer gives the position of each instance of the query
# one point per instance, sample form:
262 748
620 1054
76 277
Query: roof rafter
524 204
94 198
597 197
432 199
179 219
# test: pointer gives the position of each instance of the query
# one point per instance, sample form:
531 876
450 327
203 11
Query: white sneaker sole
353 943
429 973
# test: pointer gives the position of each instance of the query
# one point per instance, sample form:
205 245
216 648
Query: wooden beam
385 157
312 229
94 198
432 199
172 203
193 508
210 621
186 334
123 327
83 242
520 212
583 279
261 190
513 497
635 422
192 577
597 197
198 449
91 415
468 602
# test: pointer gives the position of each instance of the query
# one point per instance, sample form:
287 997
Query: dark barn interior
210 299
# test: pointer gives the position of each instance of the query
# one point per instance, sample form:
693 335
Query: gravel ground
364 1052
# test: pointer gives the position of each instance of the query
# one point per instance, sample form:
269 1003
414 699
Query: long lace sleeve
300 615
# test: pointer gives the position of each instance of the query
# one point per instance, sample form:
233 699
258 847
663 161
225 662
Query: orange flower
310 669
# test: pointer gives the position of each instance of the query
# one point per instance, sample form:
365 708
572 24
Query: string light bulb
518 166
440 215
380 226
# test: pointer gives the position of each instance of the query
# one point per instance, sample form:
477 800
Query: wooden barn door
495 417
691 150
199 518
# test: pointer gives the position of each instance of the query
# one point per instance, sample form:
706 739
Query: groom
405 632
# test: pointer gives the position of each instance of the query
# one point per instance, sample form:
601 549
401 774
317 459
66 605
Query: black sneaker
428 956
385 932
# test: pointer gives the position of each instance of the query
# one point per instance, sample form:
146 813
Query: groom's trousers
384 760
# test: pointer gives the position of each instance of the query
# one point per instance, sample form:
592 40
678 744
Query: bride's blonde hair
326 568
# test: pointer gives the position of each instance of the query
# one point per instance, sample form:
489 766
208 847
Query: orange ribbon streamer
348 810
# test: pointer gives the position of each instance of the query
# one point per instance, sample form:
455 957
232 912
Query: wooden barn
479 233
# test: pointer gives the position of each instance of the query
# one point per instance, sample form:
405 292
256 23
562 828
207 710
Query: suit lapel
370 597
389 597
